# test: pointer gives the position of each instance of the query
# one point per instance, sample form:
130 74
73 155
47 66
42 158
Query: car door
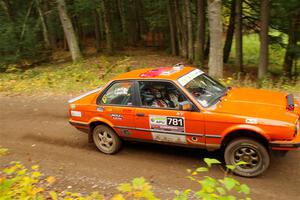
116 105
159 119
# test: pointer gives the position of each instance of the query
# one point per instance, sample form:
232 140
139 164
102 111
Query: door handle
140 114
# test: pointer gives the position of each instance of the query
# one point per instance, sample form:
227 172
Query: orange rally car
183 106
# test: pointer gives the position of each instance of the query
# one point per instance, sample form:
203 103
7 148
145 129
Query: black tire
250 151
106 140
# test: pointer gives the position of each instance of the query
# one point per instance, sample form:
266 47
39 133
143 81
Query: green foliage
20 34
226 188
156 15
19 182
251 50
138 188
8 44
22 40
211 161
81 10
270 83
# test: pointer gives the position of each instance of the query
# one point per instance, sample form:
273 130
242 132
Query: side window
120 93
160 95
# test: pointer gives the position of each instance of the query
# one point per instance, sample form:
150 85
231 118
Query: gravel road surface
36 131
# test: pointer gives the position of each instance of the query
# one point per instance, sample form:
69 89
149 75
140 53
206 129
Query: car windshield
205 89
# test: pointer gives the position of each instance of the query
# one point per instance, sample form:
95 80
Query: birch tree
215 60
69 31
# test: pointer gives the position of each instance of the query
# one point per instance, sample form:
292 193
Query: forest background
72 45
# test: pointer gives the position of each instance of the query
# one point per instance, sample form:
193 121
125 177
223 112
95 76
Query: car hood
256 103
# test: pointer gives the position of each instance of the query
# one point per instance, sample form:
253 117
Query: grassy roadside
65 77
61 78
68 78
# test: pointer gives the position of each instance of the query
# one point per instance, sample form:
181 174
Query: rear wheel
106 140
250 151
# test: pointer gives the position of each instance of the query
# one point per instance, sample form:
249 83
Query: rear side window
120 93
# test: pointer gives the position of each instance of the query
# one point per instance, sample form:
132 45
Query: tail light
296 128
290 102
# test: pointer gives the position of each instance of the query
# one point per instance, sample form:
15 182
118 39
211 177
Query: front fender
245 127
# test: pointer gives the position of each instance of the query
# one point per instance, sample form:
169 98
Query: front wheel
250 151
106 140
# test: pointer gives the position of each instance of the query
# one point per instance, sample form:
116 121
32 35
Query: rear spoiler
84 95
290 102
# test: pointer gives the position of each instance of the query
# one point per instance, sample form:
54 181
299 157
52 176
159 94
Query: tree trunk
172 27
200 34
184 30
239 36
189 31
264 51
123 21
140 18
44 26
215 61
107 26
97 28
7 7
50 23
25 20
290 54
178 29
138 23
180 22
101 24
207 47
230 32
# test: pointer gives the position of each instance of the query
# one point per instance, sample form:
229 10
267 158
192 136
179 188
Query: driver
159 101
173 97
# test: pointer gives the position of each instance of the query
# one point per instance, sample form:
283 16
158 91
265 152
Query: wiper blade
223 94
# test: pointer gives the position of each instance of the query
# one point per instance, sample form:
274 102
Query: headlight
296 128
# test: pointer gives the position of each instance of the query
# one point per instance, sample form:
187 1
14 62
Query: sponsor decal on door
166 123
165 137
116 116
169 124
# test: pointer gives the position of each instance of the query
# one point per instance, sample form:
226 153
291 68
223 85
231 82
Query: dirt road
36 131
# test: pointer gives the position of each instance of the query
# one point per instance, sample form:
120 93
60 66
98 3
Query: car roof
167 73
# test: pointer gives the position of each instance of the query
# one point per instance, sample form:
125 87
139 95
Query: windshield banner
189 76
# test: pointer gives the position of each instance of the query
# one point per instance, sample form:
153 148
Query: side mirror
185 106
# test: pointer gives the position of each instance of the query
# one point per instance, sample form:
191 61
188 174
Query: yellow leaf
35 167
118 197
36 174
50 179
53 195
2 179
37 190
